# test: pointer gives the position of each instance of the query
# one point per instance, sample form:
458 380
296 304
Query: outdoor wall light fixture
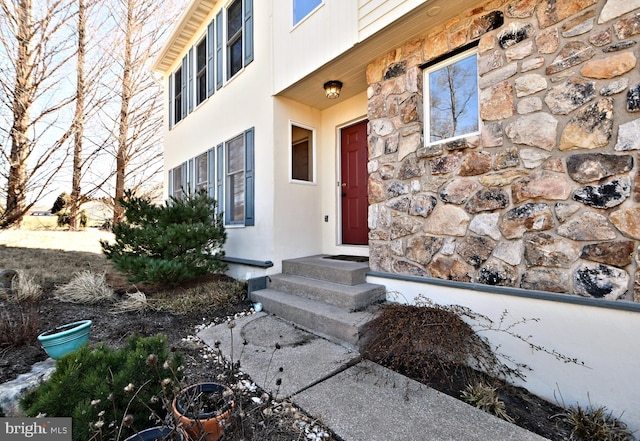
332 89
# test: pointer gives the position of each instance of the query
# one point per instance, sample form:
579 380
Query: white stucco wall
334 118
300 227
298 215
242 103
605 339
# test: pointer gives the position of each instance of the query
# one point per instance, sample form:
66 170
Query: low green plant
109 393
595 424
486 398
169 243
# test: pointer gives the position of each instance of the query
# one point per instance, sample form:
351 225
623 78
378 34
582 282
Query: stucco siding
602 341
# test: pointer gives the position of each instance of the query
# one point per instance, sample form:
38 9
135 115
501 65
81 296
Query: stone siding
547 197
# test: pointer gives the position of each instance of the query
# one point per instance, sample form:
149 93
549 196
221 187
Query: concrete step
350 297
330 270
329 321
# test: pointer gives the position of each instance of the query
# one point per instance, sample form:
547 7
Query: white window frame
230 40
198 73
177 178
309 13
229 199
312 155
436 66
176 114
200 173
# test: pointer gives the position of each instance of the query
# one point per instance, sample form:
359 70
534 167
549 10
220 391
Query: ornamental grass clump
486 398
25 288
110 394
85 287
20 311
595 424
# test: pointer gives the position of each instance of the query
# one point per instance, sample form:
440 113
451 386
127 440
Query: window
201 71
301 154
201 172
234 206
235 179
451 98
302 8
234 38
177 97
226 172
176 183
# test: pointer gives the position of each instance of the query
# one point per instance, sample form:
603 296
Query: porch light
332 89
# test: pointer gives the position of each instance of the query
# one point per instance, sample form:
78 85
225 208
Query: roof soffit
191 20
350 66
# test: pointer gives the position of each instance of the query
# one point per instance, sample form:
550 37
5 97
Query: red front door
355 204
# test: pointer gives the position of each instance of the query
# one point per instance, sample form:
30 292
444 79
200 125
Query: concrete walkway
358 400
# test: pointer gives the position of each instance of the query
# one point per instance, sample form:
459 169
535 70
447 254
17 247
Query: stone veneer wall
548 196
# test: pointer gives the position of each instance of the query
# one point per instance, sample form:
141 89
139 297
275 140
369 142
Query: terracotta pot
159 433
66 338
201 410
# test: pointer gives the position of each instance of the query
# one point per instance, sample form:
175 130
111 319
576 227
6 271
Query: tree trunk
74 209
22 100
123 126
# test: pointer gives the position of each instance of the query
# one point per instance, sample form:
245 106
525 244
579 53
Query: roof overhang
188 24
350 67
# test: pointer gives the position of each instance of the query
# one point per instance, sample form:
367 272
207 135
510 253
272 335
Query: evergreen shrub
168 243
101 388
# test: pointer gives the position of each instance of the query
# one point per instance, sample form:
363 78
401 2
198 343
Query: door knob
344 184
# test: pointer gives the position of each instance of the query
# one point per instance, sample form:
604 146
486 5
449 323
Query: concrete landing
305 359
358 400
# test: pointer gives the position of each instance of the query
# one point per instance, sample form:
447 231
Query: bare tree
78 120
34 49
451 89
137 125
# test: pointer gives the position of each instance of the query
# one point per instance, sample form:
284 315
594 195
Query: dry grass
85 287
19 324
20 314
202 297
72 265
132 301
486 398
25 288
53 257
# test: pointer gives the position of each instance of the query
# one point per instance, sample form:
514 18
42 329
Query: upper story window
234 38
177 95
451 98
302 8
201 71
